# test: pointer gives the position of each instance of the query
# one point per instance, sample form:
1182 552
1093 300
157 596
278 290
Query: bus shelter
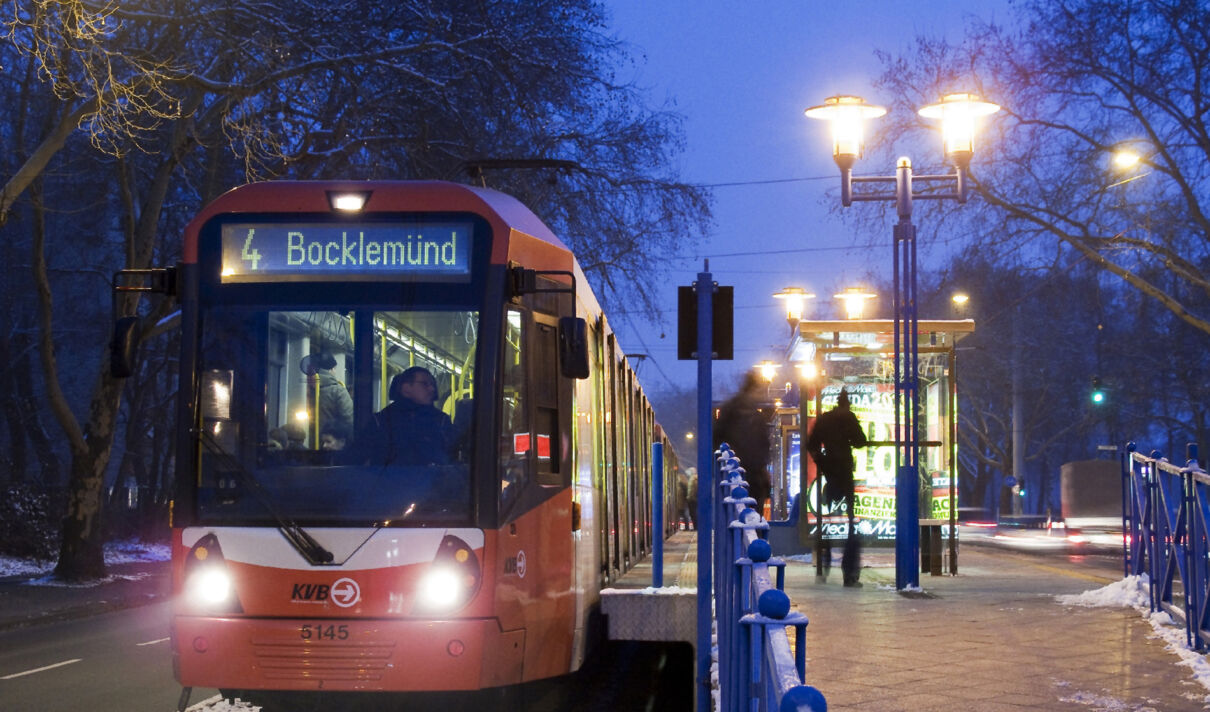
858 355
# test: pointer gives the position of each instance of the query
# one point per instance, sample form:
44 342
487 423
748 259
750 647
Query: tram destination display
414 251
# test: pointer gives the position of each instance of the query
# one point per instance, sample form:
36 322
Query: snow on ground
218 704
1132 591
653 591
116 552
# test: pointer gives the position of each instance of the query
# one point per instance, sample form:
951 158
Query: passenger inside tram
411 430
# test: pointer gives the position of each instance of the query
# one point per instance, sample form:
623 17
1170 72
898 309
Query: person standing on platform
831 444
744 425
691 496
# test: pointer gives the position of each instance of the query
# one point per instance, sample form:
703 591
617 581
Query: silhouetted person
831 444
742 425
691 486
411 430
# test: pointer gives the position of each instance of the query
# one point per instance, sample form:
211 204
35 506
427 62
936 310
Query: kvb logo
344 593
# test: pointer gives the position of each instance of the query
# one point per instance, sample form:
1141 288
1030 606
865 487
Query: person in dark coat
335 403
831 444
411 430
745 427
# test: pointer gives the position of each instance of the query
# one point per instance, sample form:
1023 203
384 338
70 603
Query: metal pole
657 515
705 480
952 395
907 468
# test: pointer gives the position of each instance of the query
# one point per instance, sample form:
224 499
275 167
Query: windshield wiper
303 543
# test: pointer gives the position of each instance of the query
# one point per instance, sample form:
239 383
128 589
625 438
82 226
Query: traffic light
1098 393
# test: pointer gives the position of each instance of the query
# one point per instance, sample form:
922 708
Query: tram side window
515 434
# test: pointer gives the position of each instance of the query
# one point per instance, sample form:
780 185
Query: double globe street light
958 114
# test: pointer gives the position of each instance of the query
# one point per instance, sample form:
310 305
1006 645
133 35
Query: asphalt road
113 662
119 662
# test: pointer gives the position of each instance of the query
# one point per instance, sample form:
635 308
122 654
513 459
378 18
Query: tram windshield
290 429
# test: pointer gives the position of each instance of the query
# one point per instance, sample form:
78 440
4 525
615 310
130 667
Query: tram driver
411 430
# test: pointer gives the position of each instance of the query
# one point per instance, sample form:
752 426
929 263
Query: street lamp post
854 299
847 115
795 299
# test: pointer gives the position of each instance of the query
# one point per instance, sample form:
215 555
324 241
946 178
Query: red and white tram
303 561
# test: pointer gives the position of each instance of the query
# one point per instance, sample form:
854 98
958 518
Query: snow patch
653 591
1105 703
10 566
218 704
1132 592
133 551
129 551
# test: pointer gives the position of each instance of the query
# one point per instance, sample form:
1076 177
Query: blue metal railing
757 669
1165 518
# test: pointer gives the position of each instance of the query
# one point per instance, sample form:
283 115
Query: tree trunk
50 465
81 554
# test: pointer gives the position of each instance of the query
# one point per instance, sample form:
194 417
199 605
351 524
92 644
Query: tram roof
506 214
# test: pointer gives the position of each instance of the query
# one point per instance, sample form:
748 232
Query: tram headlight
209 586
451 581
441 588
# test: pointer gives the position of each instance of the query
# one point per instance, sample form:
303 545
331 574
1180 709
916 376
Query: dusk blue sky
741 74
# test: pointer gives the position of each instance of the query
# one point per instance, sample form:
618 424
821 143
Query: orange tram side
317 547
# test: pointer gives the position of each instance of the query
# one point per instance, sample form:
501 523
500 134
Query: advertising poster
873 404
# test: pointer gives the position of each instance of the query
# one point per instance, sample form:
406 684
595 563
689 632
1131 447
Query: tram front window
290 429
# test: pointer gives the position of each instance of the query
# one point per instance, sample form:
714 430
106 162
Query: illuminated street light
768 370
959 114
796 301
854 299
1126 159
807 370
960 301
847 116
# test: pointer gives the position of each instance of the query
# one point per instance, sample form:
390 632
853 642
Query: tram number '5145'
324 632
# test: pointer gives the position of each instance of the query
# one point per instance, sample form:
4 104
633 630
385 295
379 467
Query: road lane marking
152 642
47 667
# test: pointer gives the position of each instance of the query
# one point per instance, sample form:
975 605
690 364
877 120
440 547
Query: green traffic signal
1098 397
